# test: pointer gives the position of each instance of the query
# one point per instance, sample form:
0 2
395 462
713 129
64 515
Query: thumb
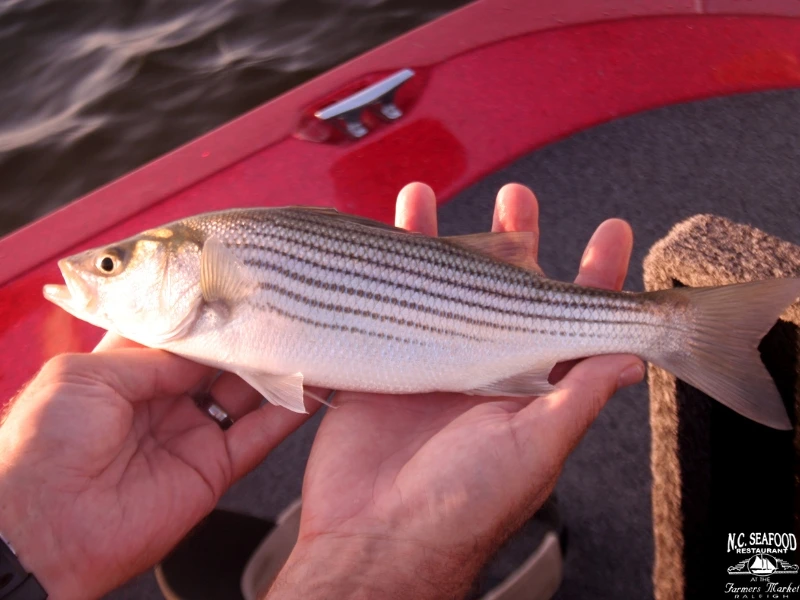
114 341
559 420
256 434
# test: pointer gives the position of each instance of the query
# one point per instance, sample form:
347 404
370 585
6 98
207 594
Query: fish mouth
75 295
57 294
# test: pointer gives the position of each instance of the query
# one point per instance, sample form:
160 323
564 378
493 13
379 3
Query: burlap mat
714 472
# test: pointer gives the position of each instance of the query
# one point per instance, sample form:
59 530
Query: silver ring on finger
206 402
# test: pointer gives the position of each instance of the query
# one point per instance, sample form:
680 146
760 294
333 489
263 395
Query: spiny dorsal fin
513 247
222 275
335 214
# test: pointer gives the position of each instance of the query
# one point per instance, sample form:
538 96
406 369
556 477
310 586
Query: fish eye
109 262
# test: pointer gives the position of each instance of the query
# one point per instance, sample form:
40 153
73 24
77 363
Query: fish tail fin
720 356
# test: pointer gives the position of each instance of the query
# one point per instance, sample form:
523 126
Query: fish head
145 288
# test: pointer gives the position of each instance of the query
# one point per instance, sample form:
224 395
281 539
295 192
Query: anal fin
528 383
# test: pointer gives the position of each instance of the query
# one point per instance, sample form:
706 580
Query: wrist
29 536
15 580
36 558
366 568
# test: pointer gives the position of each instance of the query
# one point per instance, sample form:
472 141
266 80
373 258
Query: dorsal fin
513 247
335 214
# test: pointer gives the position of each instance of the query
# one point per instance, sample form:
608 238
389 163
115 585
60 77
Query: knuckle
60 367
598 394
63 370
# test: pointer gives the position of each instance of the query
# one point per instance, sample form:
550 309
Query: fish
292 297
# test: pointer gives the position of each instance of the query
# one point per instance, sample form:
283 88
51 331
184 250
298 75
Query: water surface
92 90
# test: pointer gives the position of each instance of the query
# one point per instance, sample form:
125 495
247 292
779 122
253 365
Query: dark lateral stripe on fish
349 310
381 265
535 294
463 262
344 328
492 274
507 274
499 275
382 318
260 264
390 301
405 322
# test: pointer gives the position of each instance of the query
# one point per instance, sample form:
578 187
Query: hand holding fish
106 462
407 496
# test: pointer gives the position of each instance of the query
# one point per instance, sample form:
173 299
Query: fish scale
419 282
303 296
564 303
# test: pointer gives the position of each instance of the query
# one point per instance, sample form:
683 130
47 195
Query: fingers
517 209
585 391
143 374
250 439
231 392
416 209
564 416
113 341
604 265
559 420
238 398
235 395
605 260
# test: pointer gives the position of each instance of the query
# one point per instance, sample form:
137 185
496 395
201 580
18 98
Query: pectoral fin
222 275
281 390
529 383
513 247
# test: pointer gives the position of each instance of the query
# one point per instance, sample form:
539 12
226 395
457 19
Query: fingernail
588 255
630 376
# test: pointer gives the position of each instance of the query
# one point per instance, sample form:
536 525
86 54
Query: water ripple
92 90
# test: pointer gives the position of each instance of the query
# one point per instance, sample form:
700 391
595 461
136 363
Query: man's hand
407 496
106 462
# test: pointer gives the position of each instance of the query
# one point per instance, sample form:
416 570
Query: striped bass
287 297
